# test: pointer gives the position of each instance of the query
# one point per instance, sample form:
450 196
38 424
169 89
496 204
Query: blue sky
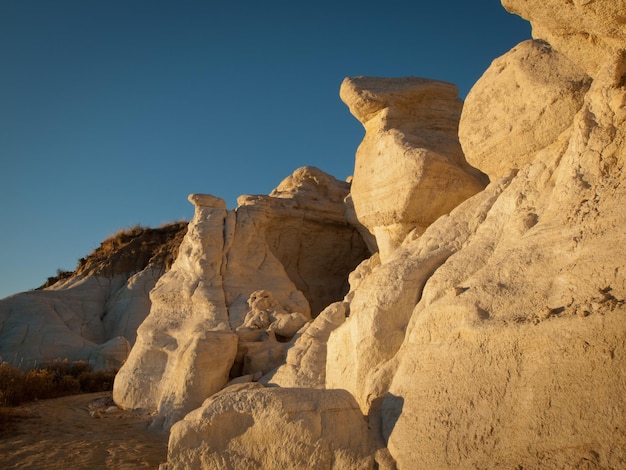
113 111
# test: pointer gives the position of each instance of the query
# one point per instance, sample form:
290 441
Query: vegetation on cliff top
129 250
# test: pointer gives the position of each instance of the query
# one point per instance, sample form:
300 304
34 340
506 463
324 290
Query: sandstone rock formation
252 427
93 313
528 318
520 105
589 32
302 225
491 335
489 331
238 290
185 347
410 142
382 305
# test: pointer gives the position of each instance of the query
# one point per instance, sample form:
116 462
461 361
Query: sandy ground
62 434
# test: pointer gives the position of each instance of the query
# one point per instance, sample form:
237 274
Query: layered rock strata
410 143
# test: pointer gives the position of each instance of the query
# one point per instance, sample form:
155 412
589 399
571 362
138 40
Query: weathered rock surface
300 234
589 32
93 313
410 142
305 363
232 298
382 304
248 426
496 335
520 339
185 347
520 105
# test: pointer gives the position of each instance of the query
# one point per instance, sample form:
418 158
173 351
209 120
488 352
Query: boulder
520 105
589 32
248 426
409 168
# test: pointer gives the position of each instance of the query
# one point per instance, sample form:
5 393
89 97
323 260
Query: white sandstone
410 141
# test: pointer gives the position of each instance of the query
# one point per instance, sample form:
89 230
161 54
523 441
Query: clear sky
113 111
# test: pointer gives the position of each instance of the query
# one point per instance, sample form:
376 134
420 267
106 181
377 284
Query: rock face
93 313
519 339
495 335
253 427
590 33
382 305
305 364
185 348
522 103
238 291
299 234
410 142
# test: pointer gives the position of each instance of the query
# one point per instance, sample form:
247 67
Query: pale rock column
185 348
410 168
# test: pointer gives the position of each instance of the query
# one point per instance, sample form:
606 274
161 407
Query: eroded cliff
491 334
92 313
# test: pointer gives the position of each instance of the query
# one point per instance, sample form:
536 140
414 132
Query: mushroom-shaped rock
410 168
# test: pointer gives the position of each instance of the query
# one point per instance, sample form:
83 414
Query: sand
77 433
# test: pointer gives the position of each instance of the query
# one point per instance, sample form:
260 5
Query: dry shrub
54 379
11 385
100 381
38 383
